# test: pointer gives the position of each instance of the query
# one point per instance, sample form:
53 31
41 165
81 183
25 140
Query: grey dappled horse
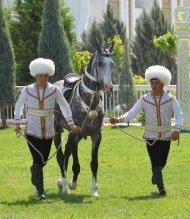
86 105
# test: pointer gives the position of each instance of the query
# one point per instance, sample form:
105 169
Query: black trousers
158 153
42 145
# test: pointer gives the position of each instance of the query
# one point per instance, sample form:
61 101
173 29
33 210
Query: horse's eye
100 63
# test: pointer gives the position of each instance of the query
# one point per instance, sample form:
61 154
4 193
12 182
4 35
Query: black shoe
162 192
41 196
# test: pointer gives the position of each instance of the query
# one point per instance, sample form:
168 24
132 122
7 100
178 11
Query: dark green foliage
107 31
145 53
89 38
167 43
53 42
68 22
25 27
127 96
112 26
104 31
7 64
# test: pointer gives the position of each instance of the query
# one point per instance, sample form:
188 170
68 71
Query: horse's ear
110 48
99 49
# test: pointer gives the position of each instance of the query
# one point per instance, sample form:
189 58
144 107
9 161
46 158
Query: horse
87 111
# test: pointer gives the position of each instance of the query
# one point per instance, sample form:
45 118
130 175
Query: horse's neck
92 85
87 96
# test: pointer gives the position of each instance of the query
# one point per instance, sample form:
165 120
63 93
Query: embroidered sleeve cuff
177 128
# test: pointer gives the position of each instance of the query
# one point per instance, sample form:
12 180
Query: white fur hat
42 66
160 72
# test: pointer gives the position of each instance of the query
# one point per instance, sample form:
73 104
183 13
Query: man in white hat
39 100
159 107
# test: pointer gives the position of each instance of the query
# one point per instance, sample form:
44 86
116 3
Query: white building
85 11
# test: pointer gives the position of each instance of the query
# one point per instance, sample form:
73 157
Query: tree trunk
3 117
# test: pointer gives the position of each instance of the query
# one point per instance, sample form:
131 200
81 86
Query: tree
53 42
111 26
126 87
110 29
167 43
139 80
68 22
144 52
103 31
117 54
25 27
89 38
80 61
7 67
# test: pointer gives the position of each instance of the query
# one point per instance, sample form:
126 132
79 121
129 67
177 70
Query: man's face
42 78
156 85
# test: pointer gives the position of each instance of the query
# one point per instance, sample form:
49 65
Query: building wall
7 2
166 6
86 11
186 3
96 10
115 5
80 11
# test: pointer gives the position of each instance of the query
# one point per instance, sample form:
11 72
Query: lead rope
132 136
44 162
140 139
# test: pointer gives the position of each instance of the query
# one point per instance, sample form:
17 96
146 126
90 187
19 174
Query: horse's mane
91 62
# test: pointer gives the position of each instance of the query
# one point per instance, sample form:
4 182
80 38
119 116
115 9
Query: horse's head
102 67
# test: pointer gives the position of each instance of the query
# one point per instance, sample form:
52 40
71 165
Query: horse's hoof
95 194
59 183
72 185
62 183
65 190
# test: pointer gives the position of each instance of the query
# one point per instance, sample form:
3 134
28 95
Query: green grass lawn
123 179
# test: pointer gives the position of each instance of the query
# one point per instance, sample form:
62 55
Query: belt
38 112
162 128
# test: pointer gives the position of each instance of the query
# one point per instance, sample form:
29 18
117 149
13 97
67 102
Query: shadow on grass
4 127
122 126
51 198
153 195
70 198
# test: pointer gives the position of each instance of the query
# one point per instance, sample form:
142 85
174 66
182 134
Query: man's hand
114 120
175 135
75 128
17 128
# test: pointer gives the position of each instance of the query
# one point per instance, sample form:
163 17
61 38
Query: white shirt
36 99
158 114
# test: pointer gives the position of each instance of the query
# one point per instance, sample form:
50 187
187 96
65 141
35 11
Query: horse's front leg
62 182
96 139
76 165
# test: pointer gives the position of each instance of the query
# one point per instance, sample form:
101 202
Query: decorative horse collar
92 114
87 89
91 77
